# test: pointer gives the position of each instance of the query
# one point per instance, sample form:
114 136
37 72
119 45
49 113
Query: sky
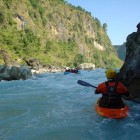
121 16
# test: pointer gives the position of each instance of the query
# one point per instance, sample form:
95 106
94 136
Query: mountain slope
121 50
54 32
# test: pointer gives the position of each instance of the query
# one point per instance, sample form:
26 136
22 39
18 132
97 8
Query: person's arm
96 91
99 89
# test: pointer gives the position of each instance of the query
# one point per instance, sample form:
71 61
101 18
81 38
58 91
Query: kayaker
72 70
112 91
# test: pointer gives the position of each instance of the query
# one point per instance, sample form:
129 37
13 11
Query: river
52 106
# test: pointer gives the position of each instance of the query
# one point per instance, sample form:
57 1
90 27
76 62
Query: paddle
83 83
132 100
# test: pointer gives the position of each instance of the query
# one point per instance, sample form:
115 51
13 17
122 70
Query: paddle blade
83 83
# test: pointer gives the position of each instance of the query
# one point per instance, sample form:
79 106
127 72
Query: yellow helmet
110 73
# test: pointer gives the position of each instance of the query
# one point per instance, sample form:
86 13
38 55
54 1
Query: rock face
14 73
130 71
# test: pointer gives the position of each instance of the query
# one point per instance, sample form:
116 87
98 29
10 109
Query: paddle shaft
83 83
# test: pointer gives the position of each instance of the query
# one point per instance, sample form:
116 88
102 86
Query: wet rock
14 73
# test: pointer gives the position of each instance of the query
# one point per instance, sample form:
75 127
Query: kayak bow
116 113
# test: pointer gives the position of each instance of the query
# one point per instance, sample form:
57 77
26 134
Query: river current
52 106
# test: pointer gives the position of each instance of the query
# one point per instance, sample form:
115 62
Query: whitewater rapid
52 106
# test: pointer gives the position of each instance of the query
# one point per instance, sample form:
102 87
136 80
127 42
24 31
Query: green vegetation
55 32
121 50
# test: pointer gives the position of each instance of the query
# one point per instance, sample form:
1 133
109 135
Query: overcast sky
121 16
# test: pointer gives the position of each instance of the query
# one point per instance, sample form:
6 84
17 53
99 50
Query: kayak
116 113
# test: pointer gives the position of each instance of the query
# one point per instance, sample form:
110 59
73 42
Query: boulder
14 73
34 63
86 66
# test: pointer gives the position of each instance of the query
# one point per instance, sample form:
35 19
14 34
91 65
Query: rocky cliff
55 32
130 71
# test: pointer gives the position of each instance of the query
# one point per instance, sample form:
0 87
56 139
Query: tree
79 58
97 21
1 17
105 26
64 1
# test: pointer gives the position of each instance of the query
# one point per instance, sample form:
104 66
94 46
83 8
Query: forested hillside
54 32
121 50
